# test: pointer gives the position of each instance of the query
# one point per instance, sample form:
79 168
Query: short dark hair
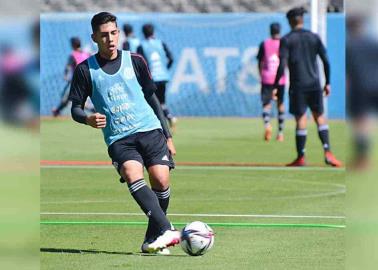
127 28
102 18
75 42
275 28
295 12
148 30
295 15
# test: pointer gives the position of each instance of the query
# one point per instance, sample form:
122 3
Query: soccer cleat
168 239
330 159
164 251
268 133
299 162
280 137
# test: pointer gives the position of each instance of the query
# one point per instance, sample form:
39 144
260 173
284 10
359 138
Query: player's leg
132 172
129 163
266 98
63 102
298 108
281 112
159 180
158 162
317 109
323 132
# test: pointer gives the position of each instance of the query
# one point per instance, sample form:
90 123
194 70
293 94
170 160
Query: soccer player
133 125
299 50
159 59
76 57
268 58
131 44
362 91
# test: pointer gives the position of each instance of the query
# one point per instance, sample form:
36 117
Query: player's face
106 38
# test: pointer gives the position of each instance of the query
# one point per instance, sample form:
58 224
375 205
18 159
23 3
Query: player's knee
130 173
160 181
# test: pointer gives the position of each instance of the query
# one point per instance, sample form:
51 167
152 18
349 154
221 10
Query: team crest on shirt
128 73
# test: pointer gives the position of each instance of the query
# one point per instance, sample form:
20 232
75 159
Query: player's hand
96 120
171 146
274 94
327 90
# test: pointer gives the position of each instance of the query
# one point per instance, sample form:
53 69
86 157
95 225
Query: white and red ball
197 238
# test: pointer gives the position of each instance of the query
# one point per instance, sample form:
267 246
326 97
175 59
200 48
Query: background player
268 58
132 123
132 42
299 50
362 91
76 57
159 59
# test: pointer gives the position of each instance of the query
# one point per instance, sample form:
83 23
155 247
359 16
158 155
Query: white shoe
164 251
168 239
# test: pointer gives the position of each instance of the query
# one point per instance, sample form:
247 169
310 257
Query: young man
362 90
299 50
132 43
76 57
133 125
268 58
159 60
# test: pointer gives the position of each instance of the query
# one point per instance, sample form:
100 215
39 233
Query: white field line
230 168
190 215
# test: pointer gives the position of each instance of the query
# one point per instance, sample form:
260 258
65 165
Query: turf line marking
189 215
230 168
229 225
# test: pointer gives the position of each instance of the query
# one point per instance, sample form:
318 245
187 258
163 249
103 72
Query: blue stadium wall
215 69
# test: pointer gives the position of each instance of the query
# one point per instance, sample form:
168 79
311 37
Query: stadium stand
187 6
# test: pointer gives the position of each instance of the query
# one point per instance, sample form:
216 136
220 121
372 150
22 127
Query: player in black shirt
112 84
299 50
362 91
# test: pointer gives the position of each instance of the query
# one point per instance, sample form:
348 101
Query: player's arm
327 67
168 54
79 92
284 54
260 57
68 68
149 88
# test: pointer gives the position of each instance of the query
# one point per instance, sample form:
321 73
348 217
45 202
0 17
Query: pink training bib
271 62
79 56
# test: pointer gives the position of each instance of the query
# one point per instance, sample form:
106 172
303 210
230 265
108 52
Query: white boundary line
191 215
231 168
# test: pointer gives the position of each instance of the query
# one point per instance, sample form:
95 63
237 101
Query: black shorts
301 100
149 148
267 91
361 104
160 91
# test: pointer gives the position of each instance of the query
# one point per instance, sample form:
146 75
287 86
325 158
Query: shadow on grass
95 251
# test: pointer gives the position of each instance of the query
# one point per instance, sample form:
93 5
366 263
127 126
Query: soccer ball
197 238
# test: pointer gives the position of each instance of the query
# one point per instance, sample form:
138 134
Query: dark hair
295 15
275 28
102 18
295 12
148 30
75 43
127 28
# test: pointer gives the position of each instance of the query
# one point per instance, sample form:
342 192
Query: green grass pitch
266 199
